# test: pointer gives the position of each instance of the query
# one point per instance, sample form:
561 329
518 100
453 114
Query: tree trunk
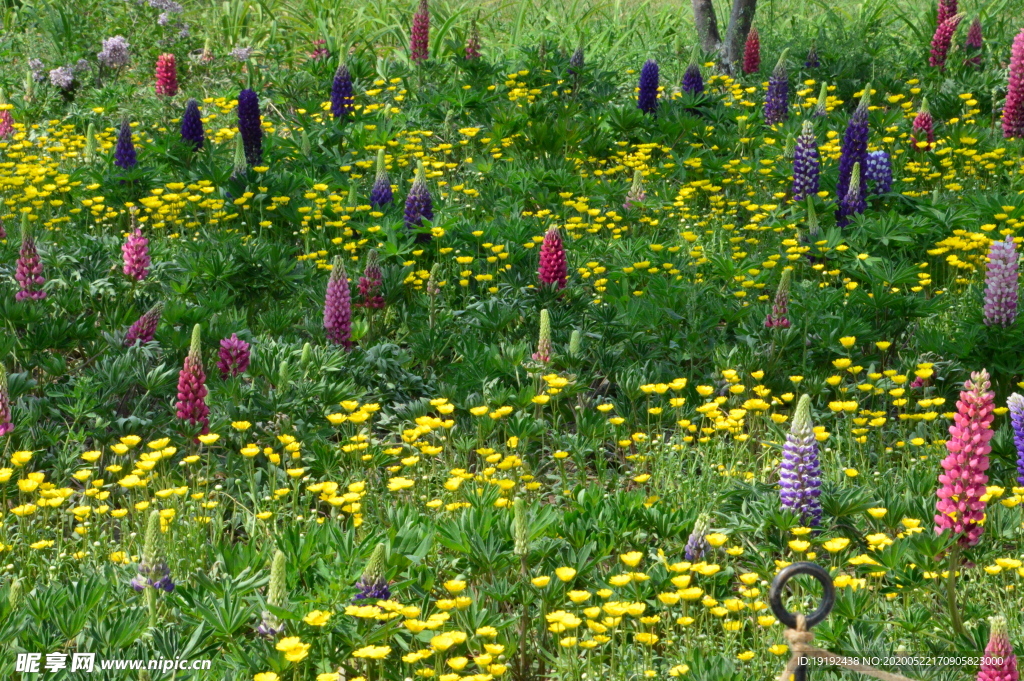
707 25
740 19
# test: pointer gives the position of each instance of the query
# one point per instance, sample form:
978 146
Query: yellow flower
799 545
454 585
399 483
241 425
877 513
328 676
565 573
374 652
209 438
779 649
578 596
716 539
837 544
746 655
317 618
848 341
679 670
266 676
632 559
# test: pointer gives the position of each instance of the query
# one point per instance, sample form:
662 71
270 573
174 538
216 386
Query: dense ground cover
483 359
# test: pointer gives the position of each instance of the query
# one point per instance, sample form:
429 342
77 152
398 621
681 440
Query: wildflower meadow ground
467 341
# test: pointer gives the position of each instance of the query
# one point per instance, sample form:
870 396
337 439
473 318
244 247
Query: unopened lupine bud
554 268
821 108
776 104
433 281
307 355
752 51
124 152
239 165
543 353
576 61
342 96
1013 108
853 203
277 596
250 126
338 306
374 583
636 193
575 341
166 75
192 125
380 194
812 61
14 593
1001 283
6 423
472 51
647 98
90 142
777 318
144 329
191 404
520 527
233 356
800 469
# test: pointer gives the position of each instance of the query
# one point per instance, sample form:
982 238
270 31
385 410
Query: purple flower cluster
372 281
1001 283
374 583
800 470
63 77
419 205
114 54
144 328
776 104
250 126
191 404
693 81
380 193
853 153
6 425
192 125
1016 404
338 306
696 544
124 152
135 252
647 99
854 202
28 271
233 356
878 171
806 163
342 97
157 576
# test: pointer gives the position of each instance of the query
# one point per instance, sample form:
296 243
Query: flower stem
954 611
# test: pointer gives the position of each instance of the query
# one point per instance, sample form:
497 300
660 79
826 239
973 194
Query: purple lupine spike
144 328
1016 404
1001 283
338 306
473 43
878 171
812 61
192 125
800 470
191 405
153 569
135 252
647 98
28 271
419 37
576 61
696 544
776 103
943 40
554 267
6 424
124 152
419 205
778 318
342 95
371 282
806 163
854 151
380 193
250 126
999 663
974 42
233 356
693 81
854 202
373 583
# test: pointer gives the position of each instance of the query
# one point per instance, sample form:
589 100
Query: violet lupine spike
854 202
999 663
778 318
696 544
233 356
373 584
943 40
124 152
144 328
974 42
1013 109
554 267
419 205
135 252
191 404
800 469
380 193
192 125
878 171
1016 404
922 130
153 569
752 52
419 38
854 150
28 271
693 81
960 508
6 424
776 103
812 61
636 193
647 98
250 126
338 306
372 281
1002 283
576 61
342 94
806 163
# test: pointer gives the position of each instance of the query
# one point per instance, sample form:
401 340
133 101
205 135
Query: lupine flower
419 205
338 306
777 318
878 170
576 61
153 570
647 98
192 125
144 328
473 43
789 147
239 166
115 52
191 405
135 252
942 40
342 96
1013 109
543 353
6 120
233 356
374 583
812 61
520 527
963 480
1016 404
800 470
776 103
696 544
854 150
575 343
371 282
380 193
433 286
853 203
3 232
277 596
998 663
974 41
28 271
806 163
752 51
124 152
693 81
90 142
420 35
821 108
166 75
922 135
1001 283
636 193
250 126
6 425
554 267
320 50
945 10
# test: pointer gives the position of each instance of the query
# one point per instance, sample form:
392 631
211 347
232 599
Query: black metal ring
828 596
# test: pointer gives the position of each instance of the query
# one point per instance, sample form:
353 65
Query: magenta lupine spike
29 269
420 35
974 43
135 251
6 425
945 10
943 40
1013 109
191 405
144 328
752 51
999 662
338 306
960 508
1001 283
6 123
923 129
371 282
473 43
553 268
778 318
233 356
166 75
